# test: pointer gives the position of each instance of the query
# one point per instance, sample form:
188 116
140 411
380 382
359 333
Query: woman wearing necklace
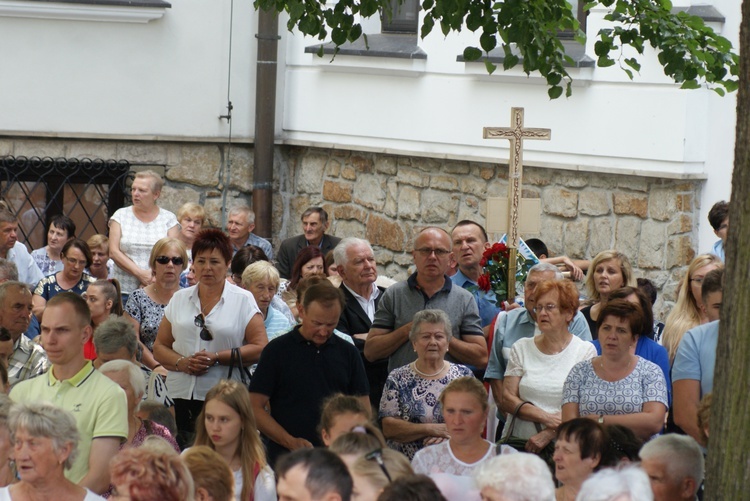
145 307
618 387
201 326
538 366
410 410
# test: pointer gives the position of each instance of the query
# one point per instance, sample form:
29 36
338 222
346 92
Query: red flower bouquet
495 277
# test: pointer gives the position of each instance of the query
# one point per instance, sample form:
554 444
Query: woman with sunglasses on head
201 326
145 307
76 257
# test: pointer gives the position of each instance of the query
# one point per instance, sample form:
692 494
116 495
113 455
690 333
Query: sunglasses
377 456
199 321
177 261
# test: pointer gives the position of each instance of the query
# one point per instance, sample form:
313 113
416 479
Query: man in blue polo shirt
428 288
469 243
300 369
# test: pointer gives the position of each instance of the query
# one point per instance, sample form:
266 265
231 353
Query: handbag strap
515 415
235 360
151 386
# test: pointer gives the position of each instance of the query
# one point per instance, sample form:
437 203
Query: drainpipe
265 115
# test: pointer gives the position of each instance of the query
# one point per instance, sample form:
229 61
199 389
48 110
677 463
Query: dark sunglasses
177 261
199 321
377 456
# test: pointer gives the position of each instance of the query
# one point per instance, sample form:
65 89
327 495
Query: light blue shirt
257 241
718 249
518 324
696 356
486 301
28 271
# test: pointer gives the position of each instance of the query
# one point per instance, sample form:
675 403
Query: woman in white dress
538 366
134 230
45 442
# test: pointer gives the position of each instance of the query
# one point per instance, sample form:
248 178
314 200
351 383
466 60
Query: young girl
227 425
340 414
103 298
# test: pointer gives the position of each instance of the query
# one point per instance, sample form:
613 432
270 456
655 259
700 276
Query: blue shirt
257 241
486 301
718 249
653 352
517 324
696 356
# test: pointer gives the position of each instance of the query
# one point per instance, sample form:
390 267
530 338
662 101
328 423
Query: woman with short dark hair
580 450
49 258
202 325
76 257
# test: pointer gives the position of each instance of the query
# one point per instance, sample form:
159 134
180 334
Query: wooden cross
515 134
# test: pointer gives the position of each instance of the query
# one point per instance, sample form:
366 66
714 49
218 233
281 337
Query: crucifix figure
515 134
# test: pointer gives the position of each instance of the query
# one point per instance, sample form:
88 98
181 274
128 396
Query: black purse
235 361
519 443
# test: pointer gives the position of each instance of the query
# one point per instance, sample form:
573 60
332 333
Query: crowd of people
172 361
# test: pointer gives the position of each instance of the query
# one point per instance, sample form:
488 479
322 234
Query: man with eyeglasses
28 359
521 323
428 288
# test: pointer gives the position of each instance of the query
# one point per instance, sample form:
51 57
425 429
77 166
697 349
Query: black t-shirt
297 376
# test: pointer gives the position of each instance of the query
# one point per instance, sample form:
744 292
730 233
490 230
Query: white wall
166 78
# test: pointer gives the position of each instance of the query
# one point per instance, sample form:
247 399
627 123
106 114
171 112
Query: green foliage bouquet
495 262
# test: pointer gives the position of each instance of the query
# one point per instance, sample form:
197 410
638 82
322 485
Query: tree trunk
728 468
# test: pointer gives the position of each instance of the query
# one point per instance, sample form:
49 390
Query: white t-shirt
226 322
264 488
439 458
542 377
137 239
90 496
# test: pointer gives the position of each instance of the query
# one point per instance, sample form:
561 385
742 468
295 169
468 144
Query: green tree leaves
528 32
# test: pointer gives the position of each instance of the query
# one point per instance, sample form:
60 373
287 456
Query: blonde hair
260 270
466 384
625 269
210 471
394 462
686 313
168 243
157 183
97 241
249 447
192 210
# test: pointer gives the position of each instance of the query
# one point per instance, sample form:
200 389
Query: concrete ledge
377 45
116 11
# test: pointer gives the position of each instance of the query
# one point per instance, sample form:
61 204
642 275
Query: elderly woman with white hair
410 409
130 378
515 477
627 484
45 444
262 279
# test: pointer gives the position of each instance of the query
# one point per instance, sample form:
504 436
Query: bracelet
177 364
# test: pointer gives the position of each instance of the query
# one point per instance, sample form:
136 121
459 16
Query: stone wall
388 199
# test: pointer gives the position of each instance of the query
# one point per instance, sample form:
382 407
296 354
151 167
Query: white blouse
226 322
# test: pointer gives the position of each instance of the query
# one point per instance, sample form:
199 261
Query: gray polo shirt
403 300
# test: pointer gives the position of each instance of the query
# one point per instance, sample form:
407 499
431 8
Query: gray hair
5 405
8 270
42 419
5 287
113 334
135 374
629 483
244 209
541 267
518 477
680 454
157 182
430 317
340 252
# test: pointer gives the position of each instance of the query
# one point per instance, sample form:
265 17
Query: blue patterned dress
410 397
594 395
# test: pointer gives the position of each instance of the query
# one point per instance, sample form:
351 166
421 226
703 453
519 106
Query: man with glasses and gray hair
428 288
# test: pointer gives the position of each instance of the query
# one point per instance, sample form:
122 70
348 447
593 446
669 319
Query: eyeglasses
541 307
377 456
199 321
426 252
75 262
177 261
